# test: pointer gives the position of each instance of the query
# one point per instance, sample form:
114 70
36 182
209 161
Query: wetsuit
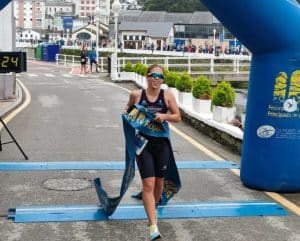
153 160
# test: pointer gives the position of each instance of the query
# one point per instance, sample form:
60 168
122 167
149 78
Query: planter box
174 91
201 106
223 114
127 75
185 98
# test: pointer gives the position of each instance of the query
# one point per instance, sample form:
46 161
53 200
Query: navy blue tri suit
153 160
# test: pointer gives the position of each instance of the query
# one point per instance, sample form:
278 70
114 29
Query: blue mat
105 165
72 213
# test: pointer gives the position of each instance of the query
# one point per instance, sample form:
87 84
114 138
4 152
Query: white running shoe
154 233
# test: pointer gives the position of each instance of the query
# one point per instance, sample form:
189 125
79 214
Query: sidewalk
8 105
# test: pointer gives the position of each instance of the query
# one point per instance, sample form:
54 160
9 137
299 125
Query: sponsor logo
265 131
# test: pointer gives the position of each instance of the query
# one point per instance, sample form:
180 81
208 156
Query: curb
16 102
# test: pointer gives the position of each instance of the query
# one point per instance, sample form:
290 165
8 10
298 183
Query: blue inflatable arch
271 146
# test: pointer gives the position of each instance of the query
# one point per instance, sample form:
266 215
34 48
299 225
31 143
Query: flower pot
127 75
223 114
202 106
174 91
185 98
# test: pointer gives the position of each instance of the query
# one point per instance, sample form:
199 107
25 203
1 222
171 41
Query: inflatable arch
271 146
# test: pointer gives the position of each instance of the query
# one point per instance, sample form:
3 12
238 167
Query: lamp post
214 44
97 18
116 9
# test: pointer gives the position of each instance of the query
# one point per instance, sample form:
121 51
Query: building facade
29 14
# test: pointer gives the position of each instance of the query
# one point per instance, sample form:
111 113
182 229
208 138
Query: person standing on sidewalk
83 58
153 159
93 59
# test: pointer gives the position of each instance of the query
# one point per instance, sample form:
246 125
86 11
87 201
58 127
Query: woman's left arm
174 115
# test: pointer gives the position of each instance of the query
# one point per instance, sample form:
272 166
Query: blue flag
3 3
139 119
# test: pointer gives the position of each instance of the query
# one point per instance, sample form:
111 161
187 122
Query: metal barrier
202 64
75 60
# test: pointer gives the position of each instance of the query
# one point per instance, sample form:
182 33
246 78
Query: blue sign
68 22
3 3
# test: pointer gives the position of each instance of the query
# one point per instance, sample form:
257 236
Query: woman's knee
148 184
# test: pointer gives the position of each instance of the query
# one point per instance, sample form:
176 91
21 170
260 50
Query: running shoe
154 233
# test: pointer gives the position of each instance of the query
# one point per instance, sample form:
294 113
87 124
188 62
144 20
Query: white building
53 7
86 9
28 36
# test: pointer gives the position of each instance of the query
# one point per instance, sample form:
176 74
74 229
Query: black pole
14 140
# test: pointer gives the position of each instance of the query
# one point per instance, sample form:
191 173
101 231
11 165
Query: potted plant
184 86
202 93
128 72
170 79
223 102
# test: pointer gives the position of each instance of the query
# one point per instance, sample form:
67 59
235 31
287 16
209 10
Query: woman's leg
158 189
149 199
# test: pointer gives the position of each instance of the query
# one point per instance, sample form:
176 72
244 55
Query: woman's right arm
133 99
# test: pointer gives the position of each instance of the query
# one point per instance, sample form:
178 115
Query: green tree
172 5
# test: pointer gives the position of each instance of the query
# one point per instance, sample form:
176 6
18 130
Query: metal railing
194 65
74 60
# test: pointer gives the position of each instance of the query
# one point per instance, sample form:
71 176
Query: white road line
67 75
50 75
32 75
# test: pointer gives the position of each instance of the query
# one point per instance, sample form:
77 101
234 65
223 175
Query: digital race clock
12 62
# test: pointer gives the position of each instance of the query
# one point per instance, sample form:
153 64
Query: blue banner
3 3
139 119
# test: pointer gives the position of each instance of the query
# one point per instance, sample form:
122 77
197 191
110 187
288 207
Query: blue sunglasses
156 75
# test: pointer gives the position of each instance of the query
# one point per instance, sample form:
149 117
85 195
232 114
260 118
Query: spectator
93 59
83 58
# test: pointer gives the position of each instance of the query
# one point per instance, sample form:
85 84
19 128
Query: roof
152 29
203 17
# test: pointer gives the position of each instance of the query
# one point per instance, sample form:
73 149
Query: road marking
50 75
67 75
32 75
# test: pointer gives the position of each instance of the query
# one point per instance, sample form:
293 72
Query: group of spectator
86 55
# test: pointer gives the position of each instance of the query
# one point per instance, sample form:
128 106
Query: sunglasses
156 75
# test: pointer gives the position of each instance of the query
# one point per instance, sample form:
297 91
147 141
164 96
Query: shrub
128 67
171 78
223 95
137 67
202 88
184 83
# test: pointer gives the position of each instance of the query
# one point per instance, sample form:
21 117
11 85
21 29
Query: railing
196 65
75 60
206 64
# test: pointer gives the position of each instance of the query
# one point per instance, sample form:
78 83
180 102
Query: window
137 37
143 38
124 37
130 37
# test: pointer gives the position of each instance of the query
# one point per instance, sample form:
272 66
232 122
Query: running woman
152 160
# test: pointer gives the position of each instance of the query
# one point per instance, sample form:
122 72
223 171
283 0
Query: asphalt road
77 118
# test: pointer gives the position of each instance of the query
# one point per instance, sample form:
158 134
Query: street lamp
97 18
116 9
214 44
